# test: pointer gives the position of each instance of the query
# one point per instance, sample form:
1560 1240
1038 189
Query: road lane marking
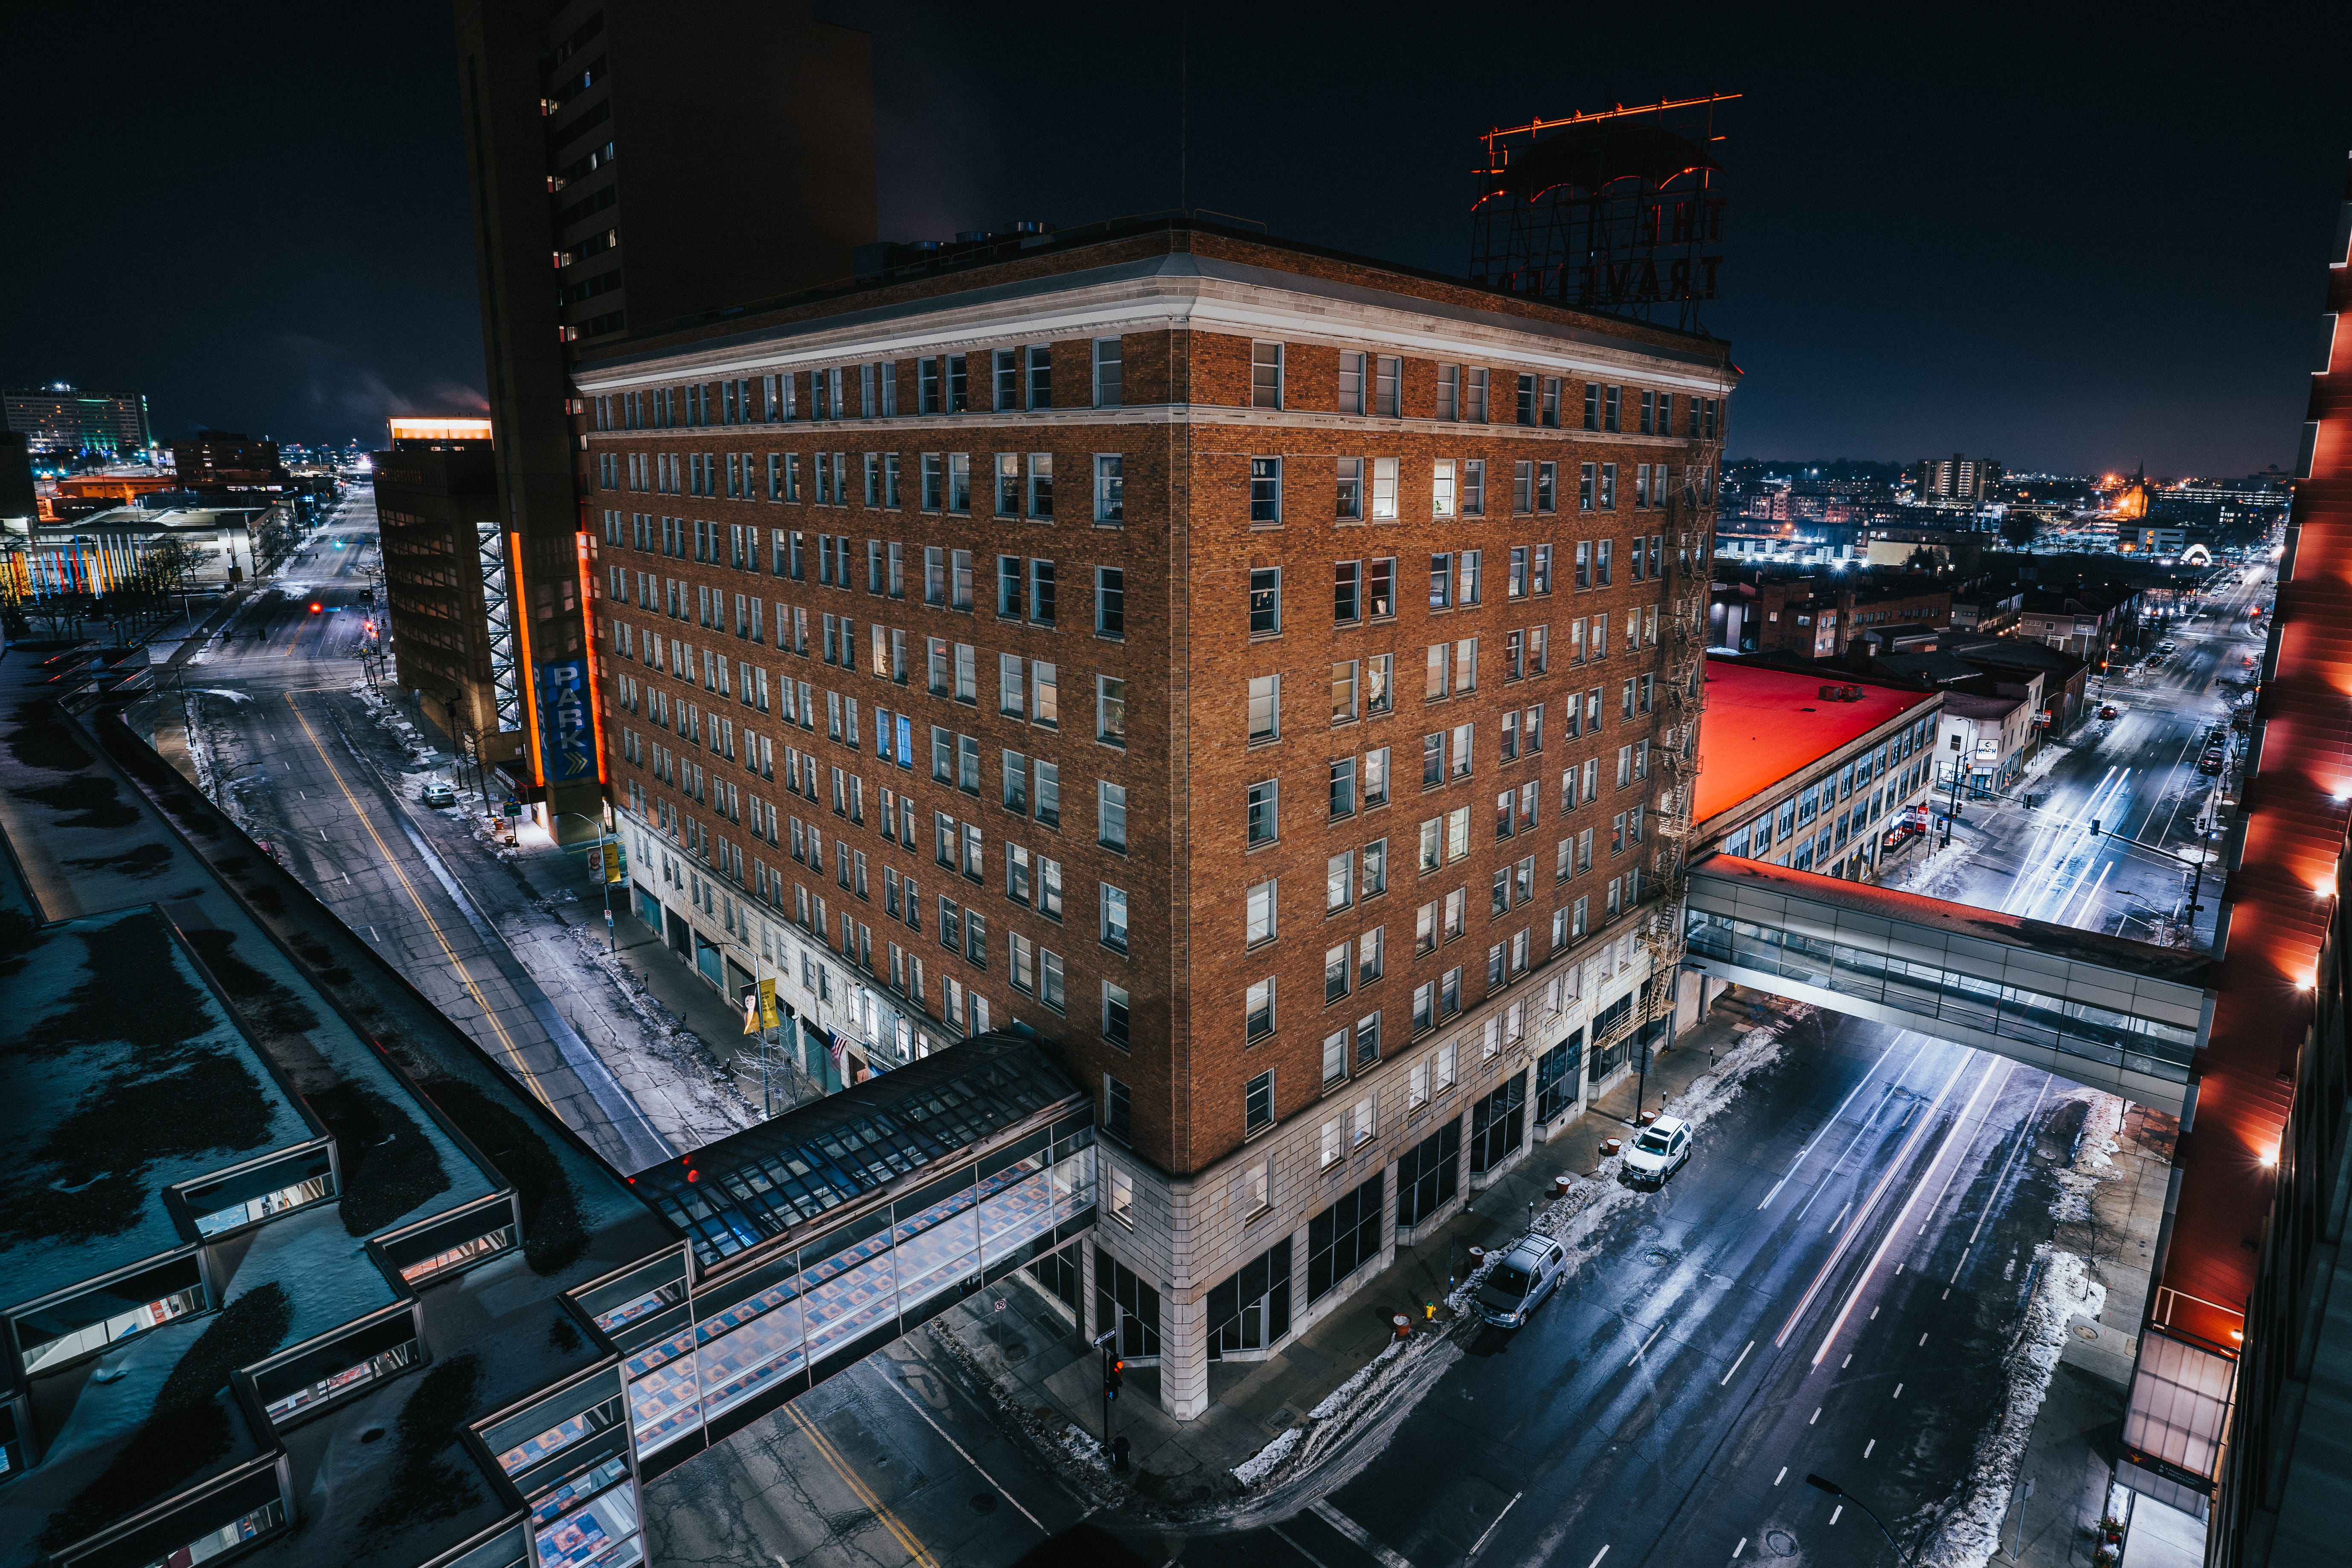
1292 1545
1898 1391
875 1505
1357 1532
1847 1362
1781 1477
1923 1339
1597 1557
1735 1365
1741 1547
1841 1214
1959 1125
967 1459
1817 1415
514 1052
1481 1541
1646 1344
1835 1512
1870 1203
1867 1448
1857 1089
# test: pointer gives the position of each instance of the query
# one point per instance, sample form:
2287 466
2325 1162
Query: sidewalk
668 1038
1039 1366
2112 1216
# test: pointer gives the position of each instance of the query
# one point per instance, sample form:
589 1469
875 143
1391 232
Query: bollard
1403 1326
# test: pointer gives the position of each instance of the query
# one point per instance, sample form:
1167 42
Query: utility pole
1110 1389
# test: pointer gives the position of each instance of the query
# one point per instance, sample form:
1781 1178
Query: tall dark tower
632 164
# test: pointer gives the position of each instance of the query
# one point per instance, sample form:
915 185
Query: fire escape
1683 694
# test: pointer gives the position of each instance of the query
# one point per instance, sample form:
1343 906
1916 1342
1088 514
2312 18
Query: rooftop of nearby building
1157 253
1766 725
192 1035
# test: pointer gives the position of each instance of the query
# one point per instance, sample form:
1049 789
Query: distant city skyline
1911 263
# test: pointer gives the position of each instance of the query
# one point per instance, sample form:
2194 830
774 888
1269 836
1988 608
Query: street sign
769 1017
1106 1337
514 808
1000 1306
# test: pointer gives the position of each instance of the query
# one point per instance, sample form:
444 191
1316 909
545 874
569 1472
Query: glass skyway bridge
2117 1015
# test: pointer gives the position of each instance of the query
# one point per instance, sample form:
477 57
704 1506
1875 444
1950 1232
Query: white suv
1660 1150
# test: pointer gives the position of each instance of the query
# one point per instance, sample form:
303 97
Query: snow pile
1339 1398
1081 1444
2041 763
2102 1120
708 1084
1939 872
2065 1290
1577 1219
1265 1462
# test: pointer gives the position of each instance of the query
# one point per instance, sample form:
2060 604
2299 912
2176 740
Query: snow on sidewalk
2064 1290
1576 1220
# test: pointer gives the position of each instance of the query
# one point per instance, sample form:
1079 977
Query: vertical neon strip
518 600
588 621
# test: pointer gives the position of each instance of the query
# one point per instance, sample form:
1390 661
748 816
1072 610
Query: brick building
1242 664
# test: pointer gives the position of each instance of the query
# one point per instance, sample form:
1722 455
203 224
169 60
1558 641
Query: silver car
1516 1285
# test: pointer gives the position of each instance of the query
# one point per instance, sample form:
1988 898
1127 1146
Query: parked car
2210 763
1660 1150
1515 1287
437 792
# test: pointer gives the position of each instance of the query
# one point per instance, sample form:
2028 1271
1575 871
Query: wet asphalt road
1828 1285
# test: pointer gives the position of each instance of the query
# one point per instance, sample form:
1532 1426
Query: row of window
1352 1048
1022 487
1003 379
1020 377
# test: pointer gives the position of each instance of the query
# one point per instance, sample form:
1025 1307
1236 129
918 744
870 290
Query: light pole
1823 1483
603 888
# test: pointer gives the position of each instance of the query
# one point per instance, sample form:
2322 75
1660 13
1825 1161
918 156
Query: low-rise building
1814 616
1832 777
1985 736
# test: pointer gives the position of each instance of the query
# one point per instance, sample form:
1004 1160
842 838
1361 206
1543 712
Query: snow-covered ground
2063 1291
664 1066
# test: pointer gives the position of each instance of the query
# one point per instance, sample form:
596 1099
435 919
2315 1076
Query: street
2135 778
1828 1285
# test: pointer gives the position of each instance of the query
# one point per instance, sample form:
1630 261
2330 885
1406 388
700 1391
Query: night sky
2068 239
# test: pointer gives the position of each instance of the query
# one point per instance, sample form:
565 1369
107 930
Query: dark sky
2067 237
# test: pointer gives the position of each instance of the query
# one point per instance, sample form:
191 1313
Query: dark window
1058 1272
1497 1123
1344 1237
1123 1301
1251 1310
1555 1078
1429 1173
1118 1110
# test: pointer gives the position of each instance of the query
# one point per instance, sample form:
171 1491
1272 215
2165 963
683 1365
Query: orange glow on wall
519 603
439 429
595 687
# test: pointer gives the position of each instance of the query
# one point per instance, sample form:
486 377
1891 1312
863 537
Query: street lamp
603 888
1823 1483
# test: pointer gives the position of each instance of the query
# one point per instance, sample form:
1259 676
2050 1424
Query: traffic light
2095 828
1114 1374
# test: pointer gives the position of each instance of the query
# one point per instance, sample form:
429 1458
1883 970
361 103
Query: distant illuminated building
63 420
1956 477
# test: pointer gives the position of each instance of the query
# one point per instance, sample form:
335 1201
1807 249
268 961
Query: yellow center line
890 1521
514 1052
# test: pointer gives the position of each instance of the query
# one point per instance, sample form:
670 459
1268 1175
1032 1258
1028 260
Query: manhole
983 1503
2086 1331
1016 1351
1780 1543
1657 1257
